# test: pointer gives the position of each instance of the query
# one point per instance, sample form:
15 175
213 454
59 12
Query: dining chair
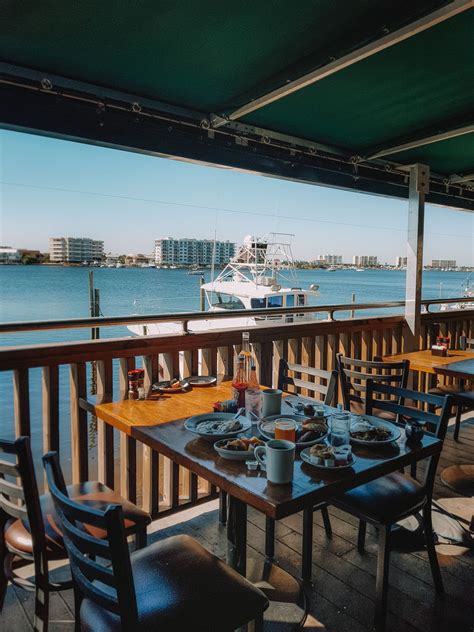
353 375
462 398
327 388
174 584
29 529
389 499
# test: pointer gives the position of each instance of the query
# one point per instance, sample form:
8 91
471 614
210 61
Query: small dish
234 455
201 380
306 457
166 386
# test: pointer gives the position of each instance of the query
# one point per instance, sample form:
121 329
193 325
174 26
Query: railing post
150 464
105 432
79 445
21 402
128 445
419 187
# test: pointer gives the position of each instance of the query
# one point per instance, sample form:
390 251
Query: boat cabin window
257 303
275 301
290 300
301 300
226 301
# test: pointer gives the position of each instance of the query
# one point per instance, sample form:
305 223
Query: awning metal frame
413 28
421 142
58 113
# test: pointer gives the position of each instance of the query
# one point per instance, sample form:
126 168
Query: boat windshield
226 301
258 303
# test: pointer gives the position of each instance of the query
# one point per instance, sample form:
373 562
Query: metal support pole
419 187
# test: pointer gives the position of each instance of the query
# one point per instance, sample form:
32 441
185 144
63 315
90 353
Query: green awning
201 61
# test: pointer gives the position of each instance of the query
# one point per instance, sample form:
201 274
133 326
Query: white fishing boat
261 275
468 292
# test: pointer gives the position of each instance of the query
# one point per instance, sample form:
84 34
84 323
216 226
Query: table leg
237 535
307 549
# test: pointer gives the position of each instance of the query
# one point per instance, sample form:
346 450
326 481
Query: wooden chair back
354 374
95 560
19 497
327 387
438 423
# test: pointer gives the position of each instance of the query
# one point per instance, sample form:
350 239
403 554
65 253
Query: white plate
305 456
233 455
267 426
192 424
376 422
202 380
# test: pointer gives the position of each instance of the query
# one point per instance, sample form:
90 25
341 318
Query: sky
52 187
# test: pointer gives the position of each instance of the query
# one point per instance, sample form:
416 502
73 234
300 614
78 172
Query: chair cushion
181 586
383 500
358 408
18 537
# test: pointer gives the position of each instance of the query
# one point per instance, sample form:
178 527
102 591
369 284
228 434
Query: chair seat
92 493
384 500
181 586
358 408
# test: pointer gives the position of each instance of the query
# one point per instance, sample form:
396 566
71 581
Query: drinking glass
340 429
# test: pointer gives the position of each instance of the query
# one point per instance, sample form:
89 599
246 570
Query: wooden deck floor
341 598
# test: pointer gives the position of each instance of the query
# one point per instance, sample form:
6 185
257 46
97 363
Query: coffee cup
278 457
271 402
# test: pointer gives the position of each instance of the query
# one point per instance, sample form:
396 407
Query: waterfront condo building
75 249
9 255
331 260
186 252
401 262
364 261
443 264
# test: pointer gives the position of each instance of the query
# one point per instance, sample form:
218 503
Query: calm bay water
46 293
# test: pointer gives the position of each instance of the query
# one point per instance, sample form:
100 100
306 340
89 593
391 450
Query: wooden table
425 362
159 424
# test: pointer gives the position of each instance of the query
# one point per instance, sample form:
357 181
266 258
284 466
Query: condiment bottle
239 383
253 394
247 353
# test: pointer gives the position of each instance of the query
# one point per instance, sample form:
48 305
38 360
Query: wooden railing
91 449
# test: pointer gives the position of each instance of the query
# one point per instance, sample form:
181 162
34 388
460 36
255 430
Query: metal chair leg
140 539
430 547
269 537
326 522
457 423
3 574
77 609
381 585
41 618
258 623
361 536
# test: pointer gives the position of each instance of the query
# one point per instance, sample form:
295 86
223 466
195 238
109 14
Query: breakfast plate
214 426
372 431
317 427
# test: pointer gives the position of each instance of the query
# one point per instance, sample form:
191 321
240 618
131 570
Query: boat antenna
213 257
